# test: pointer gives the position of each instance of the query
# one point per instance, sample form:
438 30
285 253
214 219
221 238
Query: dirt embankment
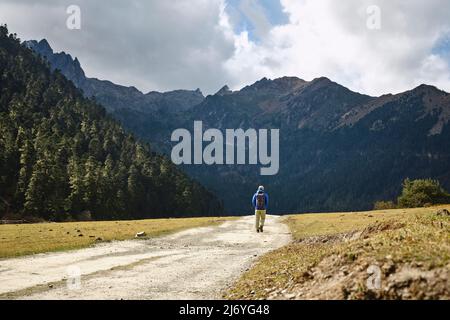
345 276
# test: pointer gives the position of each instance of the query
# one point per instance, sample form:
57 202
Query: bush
421 193
384 205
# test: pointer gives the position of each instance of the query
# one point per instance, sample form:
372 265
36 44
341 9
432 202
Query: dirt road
194 264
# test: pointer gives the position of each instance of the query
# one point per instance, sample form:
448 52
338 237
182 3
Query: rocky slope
112 96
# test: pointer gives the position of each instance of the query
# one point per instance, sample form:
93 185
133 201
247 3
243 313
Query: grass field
331 254
23 239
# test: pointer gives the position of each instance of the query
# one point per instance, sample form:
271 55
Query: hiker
260 201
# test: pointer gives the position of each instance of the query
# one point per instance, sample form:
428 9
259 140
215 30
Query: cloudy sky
165 45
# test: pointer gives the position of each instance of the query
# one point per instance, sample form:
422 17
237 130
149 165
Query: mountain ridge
339 149
114 96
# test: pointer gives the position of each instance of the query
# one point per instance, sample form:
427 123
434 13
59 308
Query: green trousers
260 218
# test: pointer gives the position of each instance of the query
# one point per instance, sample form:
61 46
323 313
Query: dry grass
24 239
317 224
404 236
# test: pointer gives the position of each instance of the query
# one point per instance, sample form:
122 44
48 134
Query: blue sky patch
442 47
242 20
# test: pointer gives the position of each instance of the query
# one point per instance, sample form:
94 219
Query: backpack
260 201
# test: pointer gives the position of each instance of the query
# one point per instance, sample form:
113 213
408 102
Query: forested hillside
62 157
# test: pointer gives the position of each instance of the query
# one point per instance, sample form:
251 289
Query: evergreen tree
422 192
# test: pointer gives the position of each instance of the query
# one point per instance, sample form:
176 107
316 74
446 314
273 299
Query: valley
326 132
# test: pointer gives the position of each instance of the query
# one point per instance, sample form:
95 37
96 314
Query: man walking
260 202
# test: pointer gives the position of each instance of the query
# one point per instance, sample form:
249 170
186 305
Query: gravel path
197 263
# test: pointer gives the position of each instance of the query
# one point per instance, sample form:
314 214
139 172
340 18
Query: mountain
339 149
62 157
146 115
112 96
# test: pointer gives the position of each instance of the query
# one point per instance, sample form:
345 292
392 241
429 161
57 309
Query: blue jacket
266 200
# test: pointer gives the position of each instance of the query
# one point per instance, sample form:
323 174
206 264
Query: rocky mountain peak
223 91
278 86
42 47
425 88
62 61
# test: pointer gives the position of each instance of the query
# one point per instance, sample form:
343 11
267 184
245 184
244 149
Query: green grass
403 235
25 239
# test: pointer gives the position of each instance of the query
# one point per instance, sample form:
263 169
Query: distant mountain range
113 96
339 149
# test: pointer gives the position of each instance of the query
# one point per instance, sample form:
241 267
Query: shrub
422 192
384 205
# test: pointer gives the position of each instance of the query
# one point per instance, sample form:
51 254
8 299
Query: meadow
25 239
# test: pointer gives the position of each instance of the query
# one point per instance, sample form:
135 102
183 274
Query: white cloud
154 45
164 45
330 38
